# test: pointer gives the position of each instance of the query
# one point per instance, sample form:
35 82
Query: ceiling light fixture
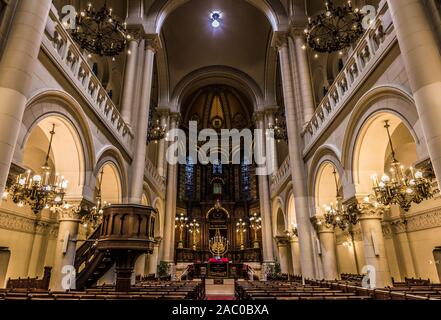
215 19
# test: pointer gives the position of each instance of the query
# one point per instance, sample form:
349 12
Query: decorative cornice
424 220
14 222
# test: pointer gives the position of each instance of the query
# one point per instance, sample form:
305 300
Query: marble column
63 271
140 143
303 74
154 258
422 60
264 191
297 165
270 120
17 66
295 255
282 247
129 82
326 235
168 245
161 147
370 217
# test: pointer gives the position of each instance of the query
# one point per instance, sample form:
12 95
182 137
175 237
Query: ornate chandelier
39 191
403 187
339 214
279 126
93 219
99 32
156 132
335 29
256 225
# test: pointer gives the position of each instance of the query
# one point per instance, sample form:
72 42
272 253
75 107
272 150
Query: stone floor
223 291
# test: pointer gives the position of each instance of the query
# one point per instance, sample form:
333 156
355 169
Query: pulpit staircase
90 263
127 232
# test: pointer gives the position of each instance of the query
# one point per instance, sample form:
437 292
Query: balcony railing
151 174
366 56
281 176
65 54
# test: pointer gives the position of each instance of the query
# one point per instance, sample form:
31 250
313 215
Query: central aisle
223 291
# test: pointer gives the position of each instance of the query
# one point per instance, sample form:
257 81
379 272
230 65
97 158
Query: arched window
245 179
189 178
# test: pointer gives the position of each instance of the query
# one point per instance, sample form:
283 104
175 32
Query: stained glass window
245 179
217 168
189 178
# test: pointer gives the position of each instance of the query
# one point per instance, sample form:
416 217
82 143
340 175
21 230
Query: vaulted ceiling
241 42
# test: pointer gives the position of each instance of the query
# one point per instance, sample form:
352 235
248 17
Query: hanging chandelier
338 214
335 29
100 32
38 191
156 132
279 126
93 219
403 187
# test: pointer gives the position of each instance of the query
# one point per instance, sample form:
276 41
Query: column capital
369 211
163 111
320 225
175 116
259 116
296 31
279 40
136 31
282 241
270 110
152 42
69 212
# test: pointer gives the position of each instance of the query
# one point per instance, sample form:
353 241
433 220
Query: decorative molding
424 220
15 222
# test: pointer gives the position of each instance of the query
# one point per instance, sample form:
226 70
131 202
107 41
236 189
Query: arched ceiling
240 43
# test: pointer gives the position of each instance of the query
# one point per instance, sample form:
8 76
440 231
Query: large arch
112 156
62 109
326 154
384 99
216 75
161 9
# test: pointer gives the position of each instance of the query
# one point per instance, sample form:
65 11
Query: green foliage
163 269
